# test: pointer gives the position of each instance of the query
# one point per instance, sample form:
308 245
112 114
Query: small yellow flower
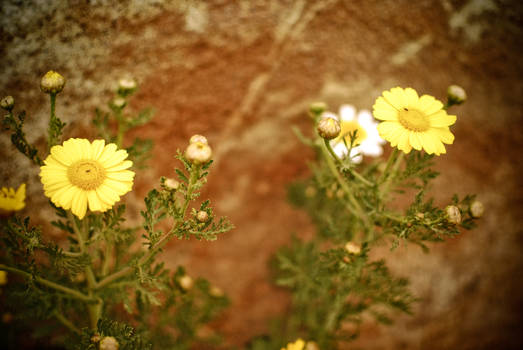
79 174
11 200
415 122
3 278
299 344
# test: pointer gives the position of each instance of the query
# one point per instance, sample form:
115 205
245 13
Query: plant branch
43 281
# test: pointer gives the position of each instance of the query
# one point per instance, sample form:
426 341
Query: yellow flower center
86 174
413 120
348 128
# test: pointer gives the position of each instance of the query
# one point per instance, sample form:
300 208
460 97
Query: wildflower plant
335 280
106 286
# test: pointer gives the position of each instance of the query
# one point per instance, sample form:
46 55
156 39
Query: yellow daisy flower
80 173
11 200
415 122
297 345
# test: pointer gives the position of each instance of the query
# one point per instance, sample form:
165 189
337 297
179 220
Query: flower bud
172 184
329 128
353 248
216 292
109 343
186 282
456 95
7 103
198 152
3 277
52 82
310 192
118 103
202 216
477 209
453 214
312 345
317 108
420 216
198 138
126 86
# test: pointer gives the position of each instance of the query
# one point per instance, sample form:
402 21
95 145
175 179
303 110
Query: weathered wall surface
242 73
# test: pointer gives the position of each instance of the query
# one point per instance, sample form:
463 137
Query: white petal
347 113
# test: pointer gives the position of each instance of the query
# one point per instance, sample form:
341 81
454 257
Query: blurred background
243 73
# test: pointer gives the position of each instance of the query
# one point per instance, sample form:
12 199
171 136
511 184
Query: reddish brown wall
242 73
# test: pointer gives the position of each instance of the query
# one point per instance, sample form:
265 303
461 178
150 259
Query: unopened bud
477 209
52 82
353 248
7 103
216 292
126 86
198 138
186 282
312 345
453 214
317 108
456 95
198 153
109 343
172 183
118 102
420 215
310 192
3 278
202 216
329 128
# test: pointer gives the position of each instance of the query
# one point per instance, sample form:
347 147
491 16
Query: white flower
368 141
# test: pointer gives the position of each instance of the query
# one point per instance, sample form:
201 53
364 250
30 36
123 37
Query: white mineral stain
409 50
465 20
196 18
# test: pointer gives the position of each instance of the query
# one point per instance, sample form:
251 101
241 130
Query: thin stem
107 257
43 281
162 242
356 208
68 324
95 310
52 123
331 151
359 177
393 173
121 128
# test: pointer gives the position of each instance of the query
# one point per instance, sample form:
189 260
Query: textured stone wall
242 73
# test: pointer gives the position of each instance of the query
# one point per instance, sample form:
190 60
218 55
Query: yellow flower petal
124 175
441 119
414 141
80 175
412 97
443 134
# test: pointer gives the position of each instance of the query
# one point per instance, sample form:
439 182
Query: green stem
43 281
52 123
95 310
359 177
121 128
68 324
355 208
393 172
162 242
